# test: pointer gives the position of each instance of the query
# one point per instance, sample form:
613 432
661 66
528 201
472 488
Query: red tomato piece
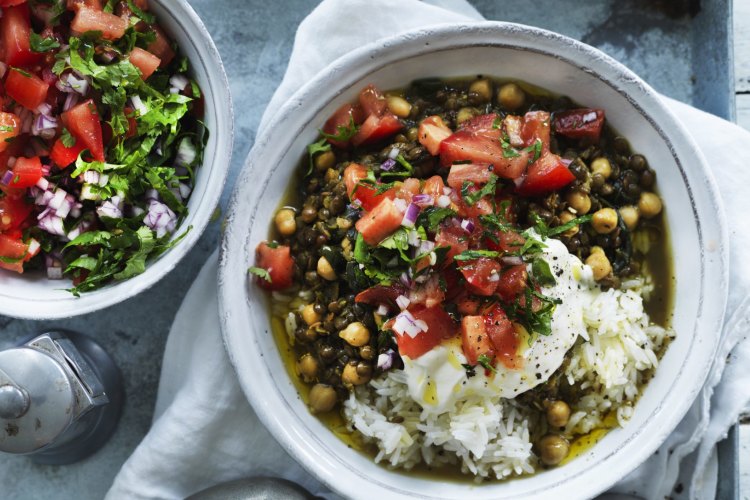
161 47
77 4
372 101
432 132
536 127
434 186
10 126
343 117
508 241
376 128
484 124
26 172
111 26
475 340
408 189
13 213
83 122
548 173
483 206
482 275
440 326
475 173
381 295
26 89
15 33
11 3
63 156
512 282
145 61
366 195
478 148
453 237
580 123
279 264
13 251
428 294
503 336
380 222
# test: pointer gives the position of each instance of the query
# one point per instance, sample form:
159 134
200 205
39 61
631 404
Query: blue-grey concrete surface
659 40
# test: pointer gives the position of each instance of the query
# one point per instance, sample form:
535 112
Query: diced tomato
453 237
11 3
434 186
15 33
440 326
111 26
503 336
161 47
478 148
483 206
428 294
380 222
536 127
475 340
26 172
10 126
145 61
432 132
376 128
366 195
482 275
507 241
381 295
547 174
372 101
580 123
26 89
468 305
13 252
343 117
477 174
512 282
77 4
83 122
279 264
483 124
408 189
63 156
13 213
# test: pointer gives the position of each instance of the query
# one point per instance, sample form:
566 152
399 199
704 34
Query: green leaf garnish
39 44
260 272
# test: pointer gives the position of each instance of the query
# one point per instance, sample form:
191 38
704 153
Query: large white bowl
33 296
693 212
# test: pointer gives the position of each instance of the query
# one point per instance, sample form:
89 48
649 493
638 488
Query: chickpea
579 201
398 106
351 376
324 161
325 270
322 398
511 96
465 114
482 88
629 215
649 205
285 222
601 166
558 414
307 367
599 263
566 217
355 334
604 221
310 315
553 449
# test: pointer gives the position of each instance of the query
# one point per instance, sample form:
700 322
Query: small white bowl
551 61
33 296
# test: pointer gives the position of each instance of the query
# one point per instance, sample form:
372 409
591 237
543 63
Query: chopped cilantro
487 190
39 44
260 272
67 139
476 254
542 273
343 132
21 72
486 363
508 150
431 217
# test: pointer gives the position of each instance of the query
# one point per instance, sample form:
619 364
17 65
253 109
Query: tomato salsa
100 133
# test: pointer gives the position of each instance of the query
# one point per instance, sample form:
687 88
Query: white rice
491 437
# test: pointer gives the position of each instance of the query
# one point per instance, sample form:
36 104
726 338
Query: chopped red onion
66 206
186 153
80 85
566 162
109 209
179 82
511 260
185 190
44 109
405 280
138 105
382 310
388 164
394 152
44 198
410 217
52 224
70 101
403 302
54 273
75 212
91 177
386 359
413 238
405 324
467 225
423 200
494 277
160 218
63 86
426 247
34 246
7 178
46 169
443 201
400 204
57 201
44 126
447 191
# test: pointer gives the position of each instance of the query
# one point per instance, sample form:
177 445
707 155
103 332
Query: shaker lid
38 400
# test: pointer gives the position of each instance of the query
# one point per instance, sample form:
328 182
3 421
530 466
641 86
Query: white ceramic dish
550 61
33 296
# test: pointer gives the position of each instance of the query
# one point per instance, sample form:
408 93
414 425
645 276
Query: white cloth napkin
204 431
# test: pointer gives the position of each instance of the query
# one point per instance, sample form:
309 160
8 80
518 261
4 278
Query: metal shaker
61 397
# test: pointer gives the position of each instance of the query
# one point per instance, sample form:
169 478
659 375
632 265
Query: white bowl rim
256 381
66 306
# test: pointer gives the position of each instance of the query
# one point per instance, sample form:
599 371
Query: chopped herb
542 273
39 44
149 18
22 72
315 148
6 128
536 148
497 122
487 190
67 139
343 132
486 363
407 172
261 273
431 217
508 150
476 254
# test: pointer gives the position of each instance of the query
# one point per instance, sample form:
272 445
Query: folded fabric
204 430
